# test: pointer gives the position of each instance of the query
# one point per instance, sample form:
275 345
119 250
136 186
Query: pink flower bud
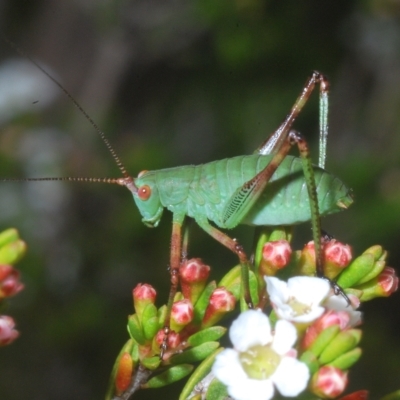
143 294
181 314
388 281
221 302
9 281
194 274
383 285
329 382
276 255
329 318
337 257
174 339
7 332
124 372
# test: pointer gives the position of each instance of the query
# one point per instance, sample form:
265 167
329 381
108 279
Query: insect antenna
127 180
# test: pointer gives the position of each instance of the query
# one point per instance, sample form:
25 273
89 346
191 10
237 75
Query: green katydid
269 187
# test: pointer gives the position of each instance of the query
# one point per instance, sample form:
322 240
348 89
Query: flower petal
252 389
291 377
284 338
227 367
308 289
251 328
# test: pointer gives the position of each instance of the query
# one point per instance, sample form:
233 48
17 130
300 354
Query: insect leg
236 248
277 138
297 138
175 262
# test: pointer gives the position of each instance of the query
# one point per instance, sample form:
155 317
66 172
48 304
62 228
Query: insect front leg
236 248
175 262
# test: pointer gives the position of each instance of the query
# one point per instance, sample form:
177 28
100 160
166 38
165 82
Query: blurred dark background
174 83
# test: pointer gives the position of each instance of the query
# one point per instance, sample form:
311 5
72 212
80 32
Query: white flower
299 299
260 360
339 303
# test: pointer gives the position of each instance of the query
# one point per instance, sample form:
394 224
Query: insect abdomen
284 201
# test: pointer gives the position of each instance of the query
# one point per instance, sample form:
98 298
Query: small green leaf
207 335
135 329
323 339
216 391
345 361
358 268
194 354
392 396
231 281
162 314
310 359
8 236
169 376
200 372
202 303
150 321
375 271
342 343
151 363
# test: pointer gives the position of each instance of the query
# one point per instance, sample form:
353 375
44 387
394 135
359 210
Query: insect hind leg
278 137
236 248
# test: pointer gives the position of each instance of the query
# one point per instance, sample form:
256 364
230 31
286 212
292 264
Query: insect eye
144 192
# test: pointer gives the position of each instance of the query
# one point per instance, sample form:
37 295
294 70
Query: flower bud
306 264
383 285
275 256
174 340
181 314
194 274
7 332
329 382
221 302
143 294
124 373
337 257
9 281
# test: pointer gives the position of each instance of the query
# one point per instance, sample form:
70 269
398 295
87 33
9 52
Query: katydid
267 188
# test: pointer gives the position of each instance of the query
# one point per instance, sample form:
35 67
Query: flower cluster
301 338
188 329
12 248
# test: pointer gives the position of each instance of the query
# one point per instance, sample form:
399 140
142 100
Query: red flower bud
276 255
194 274
7 332
181 314
337 257
329 382
388 281
221 302
174 339
9 281
143 294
